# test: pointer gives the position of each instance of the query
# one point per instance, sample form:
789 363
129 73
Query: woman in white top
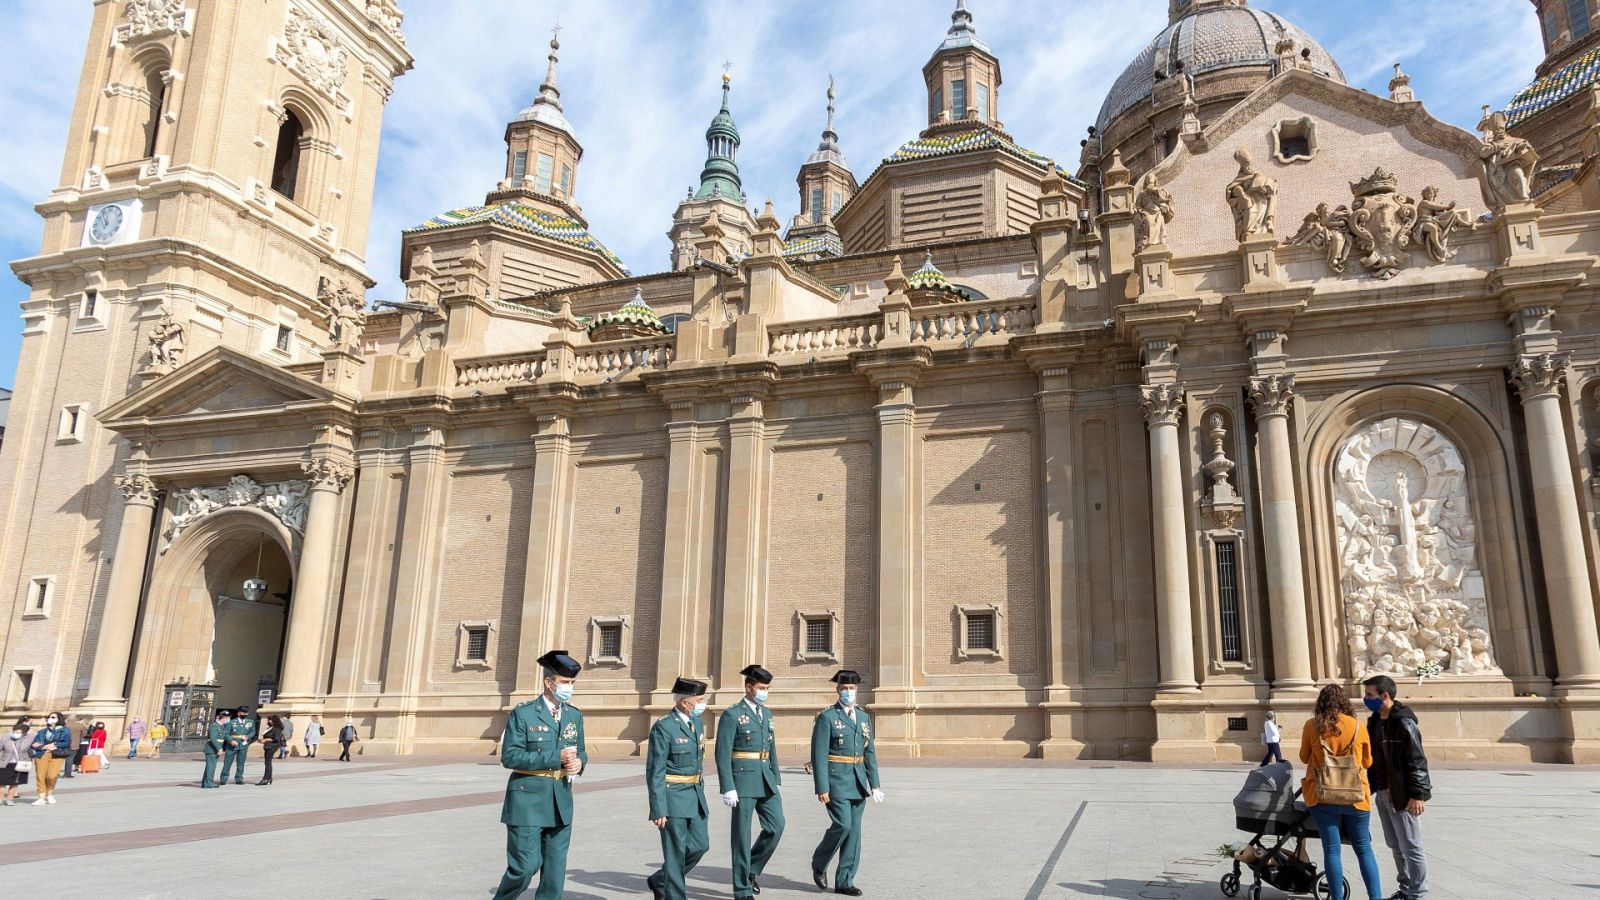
313 737
1271 737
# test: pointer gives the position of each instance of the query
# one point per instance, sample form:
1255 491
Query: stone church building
1092 452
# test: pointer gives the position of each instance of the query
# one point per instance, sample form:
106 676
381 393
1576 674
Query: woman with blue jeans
1334 724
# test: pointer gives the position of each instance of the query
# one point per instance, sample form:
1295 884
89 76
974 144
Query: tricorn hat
757 674
688 687
243 709
560 663
846 676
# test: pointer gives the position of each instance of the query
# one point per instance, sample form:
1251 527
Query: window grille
1228 599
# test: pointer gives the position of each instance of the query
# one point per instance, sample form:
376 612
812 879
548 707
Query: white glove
877 795
730 799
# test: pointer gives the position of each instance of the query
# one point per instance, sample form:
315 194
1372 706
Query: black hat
757 674
688 687
223 712
846 676
560 663
243 709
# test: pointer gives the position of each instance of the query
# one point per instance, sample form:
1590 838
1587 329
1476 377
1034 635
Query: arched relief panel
1487 480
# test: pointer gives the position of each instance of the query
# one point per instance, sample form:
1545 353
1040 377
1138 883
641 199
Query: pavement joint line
1049 869
277 775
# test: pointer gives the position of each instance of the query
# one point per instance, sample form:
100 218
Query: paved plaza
428 827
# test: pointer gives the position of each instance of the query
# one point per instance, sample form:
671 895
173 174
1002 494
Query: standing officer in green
544 749
216 745
673 775
241 734
747 772
844 770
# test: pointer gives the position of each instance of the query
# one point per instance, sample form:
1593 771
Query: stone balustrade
615 359
826 335
523 368
968 322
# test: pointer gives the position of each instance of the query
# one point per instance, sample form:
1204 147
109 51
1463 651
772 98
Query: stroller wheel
1230 885
1323 889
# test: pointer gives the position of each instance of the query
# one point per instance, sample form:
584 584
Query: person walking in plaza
51 749
136 732
1401 787
674 778
543 746
16 762
82 731
844 771
287 724
1272 737
1337 753
271 743
216 745
313 737
97 744
748 776
241 734
158 734
347 736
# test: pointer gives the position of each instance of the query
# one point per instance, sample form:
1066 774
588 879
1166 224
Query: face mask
699 708
50 721
1374 703
761 695
563 692
15 735
848 697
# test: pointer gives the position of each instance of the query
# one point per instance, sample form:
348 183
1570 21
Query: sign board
263 697
175 698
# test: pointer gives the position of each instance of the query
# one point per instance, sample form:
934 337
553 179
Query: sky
640 81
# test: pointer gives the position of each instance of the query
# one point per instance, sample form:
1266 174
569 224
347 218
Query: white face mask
563 692
848 697
15 735
699 709
50 721
761 695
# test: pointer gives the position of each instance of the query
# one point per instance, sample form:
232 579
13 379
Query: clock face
107 222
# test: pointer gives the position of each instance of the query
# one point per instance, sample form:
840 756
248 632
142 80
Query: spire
828 150
546 107
720 177
961 33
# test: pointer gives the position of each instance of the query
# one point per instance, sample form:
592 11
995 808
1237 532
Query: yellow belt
683 779
749 754
852 760
542 773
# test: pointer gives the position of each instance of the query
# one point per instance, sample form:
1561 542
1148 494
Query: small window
1578 17
958 98
611 640
816 205
474 649
566 180
155 95
1294 140
519 167
286 159
20 691
74 418
91 299
817 636
1228 600
1552 29
608 641
838 203
284 339
477 644
541 175
983 99
979 631
41 593
1238 723
935 104
672 321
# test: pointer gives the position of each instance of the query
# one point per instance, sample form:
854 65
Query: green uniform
676 749
216 739
241 734
747 762
537 811
844 765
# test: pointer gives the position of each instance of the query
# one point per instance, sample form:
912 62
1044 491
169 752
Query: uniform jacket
241 733
834 733
676 748
216 738
532 742
747 730
1398 764
47 739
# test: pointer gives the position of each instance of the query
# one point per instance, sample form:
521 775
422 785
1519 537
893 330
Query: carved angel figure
166 344
1254 198
1435 223
1507 163
1152 211
346 317
1327 228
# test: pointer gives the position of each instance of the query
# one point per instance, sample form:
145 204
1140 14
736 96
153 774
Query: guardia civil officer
216 745
241 734
543 747
673 775
844 770
747 773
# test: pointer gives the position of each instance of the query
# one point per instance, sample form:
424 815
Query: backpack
1339 777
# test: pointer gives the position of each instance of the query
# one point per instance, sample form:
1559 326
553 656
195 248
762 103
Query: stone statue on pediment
1254 198
1507 163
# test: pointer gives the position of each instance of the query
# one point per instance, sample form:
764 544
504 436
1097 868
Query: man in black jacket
1400 784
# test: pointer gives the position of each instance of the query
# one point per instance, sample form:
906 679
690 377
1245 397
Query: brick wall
485 558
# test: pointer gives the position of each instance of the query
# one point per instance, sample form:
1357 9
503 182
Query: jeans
133 748
1403 833
1274 753
1333 824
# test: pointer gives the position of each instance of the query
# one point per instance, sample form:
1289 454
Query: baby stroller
1269 807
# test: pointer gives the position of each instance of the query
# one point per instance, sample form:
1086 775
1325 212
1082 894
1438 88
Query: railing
970 321
521 369
826 335
614 359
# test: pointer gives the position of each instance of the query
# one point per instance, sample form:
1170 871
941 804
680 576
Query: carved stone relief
1409 577
386 15
1254 198
166 343
347 317
285 500
1383 226
1152 210
311 48
1507 163
153 18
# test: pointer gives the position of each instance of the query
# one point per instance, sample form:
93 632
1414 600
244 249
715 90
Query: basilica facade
1270 382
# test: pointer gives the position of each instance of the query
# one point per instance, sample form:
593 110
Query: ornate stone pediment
152 18
285 500
220 380
311 48
1382 227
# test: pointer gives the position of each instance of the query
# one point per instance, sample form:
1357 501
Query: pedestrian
136 733
158 734
97 744
673 775
844 771
1273 738
313 737
271 743
216 746
1337 753
16 762
51 748
81 731
1401 787
347 736
241 734
288 735
543 746
748 776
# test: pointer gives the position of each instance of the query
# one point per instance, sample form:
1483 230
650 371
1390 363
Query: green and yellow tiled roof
1554 88
821 244
963 142
929 278
635 312
528 219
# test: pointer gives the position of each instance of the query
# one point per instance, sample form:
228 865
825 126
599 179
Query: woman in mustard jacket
1334 725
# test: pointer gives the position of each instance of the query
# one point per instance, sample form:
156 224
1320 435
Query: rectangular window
816 205
958 99
74 417
838 202
284 339
1552 29
1578 17
519 167
41 591
477 645
983 99
566 180
935 104
1228 600
21 690
608 640
981 632
611 640
1238 723
91 299
541 175
819 635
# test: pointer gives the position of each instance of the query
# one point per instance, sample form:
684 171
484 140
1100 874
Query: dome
1211 38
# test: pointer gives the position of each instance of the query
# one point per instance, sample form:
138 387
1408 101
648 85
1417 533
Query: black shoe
820 878
260 783
655 894
848 891
238 782
755 886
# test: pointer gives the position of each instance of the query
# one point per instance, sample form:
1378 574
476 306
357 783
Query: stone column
1163 404
547 550
415 581
1271 396
1566 575
308 609
115 644
1064 673
674 654
743 560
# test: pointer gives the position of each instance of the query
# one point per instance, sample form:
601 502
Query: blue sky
640 79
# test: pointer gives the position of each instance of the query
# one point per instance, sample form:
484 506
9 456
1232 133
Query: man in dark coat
1400 784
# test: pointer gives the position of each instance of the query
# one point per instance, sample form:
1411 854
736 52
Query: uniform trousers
683 842
233 758
531 849
750 861
209 779
844 837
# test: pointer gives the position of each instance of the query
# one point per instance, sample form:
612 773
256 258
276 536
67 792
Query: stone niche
1410 582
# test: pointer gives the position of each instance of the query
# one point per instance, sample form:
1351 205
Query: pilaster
743 568
108 677
679 568
543 600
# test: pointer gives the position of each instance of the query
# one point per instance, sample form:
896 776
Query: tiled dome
1211 38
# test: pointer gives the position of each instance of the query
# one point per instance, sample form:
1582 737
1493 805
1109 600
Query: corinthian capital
138 489
326 474
1270 395
1539 376
1162 403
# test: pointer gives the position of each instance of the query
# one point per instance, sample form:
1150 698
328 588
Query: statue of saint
1254 198
1507 163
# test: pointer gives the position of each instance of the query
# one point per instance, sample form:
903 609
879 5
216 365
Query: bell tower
219 170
